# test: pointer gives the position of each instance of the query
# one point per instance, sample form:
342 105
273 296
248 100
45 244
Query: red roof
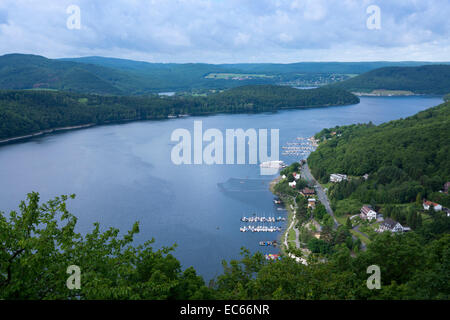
429 203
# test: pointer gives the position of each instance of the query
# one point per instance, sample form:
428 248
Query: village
312 220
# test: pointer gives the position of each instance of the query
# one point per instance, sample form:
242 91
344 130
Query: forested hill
29 111
429 79
112 76
19 71
404 158
269 97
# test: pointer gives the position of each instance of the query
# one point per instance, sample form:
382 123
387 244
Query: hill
269 68
30 111
430 79
269 97
18 71
127 77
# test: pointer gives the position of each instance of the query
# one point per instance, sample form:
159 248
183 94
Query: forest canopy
429 79
30 111
406 160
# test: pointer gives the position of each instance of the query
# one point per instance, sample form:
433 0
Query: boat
273 164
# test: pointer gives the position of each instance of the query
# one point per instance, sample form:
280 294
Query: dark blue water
123 173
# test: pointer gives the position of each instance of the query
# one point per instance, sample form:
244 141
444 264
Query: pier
302 148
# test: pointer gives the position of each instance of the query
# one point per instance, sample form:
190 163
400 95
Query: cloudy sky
229 31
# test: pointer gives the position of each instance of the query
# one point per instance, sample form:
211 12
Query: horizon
281 63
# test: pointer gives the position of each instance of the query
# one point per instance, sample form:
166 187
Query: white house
311 203
296 175
337 177
392 226
436 206
292 184
367 212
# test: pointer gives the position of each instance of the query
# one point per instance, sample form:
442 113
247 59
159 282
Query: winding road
320 192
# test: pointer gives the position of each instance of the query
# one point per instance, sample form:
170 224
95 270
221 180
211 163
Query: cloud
218 31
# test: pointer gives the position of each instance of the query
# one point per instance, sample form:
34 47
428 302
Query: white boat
277 164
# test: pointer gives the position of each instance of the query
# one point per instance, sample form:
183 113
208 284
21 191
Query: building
292 184
367 212
366 176
307 192
337 177
312 203
296 175
436 206
391 225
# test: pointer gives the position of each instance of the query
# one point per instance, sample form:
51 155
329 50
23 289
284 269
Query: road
320 192
286 235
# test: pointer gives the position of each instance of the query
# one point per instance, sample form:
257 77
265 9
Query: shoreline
170 117
290 215
43 132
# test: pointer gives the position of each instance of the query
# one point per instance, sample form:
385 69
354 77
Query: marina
260 228
262 219
268 243
302 147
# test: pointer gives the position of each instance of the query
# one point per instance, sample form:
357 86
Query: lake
123 173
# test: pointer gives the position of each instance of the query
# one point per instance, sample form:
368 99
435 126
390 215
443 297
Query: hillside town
314 224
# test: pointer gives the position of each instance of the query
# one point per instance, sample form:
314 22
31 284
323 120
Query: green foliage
430 79
31 111
293 167
411 268
38 243
271 98
403 158
447 97
126 77
320 211
347 206
319 246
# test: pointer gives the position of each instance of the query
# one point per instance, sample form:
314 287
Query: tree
39 243
348 223
419 199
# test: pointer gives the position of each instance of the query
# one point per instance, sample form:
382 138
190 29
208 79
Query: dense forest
30 111
406 160
414 265
430 79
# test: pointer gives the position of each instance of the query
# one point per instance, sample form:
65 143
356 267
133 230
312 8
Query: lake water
123 173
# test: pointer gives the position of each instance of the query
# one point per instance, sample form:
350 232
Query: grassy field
342 219
360 236
291 235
